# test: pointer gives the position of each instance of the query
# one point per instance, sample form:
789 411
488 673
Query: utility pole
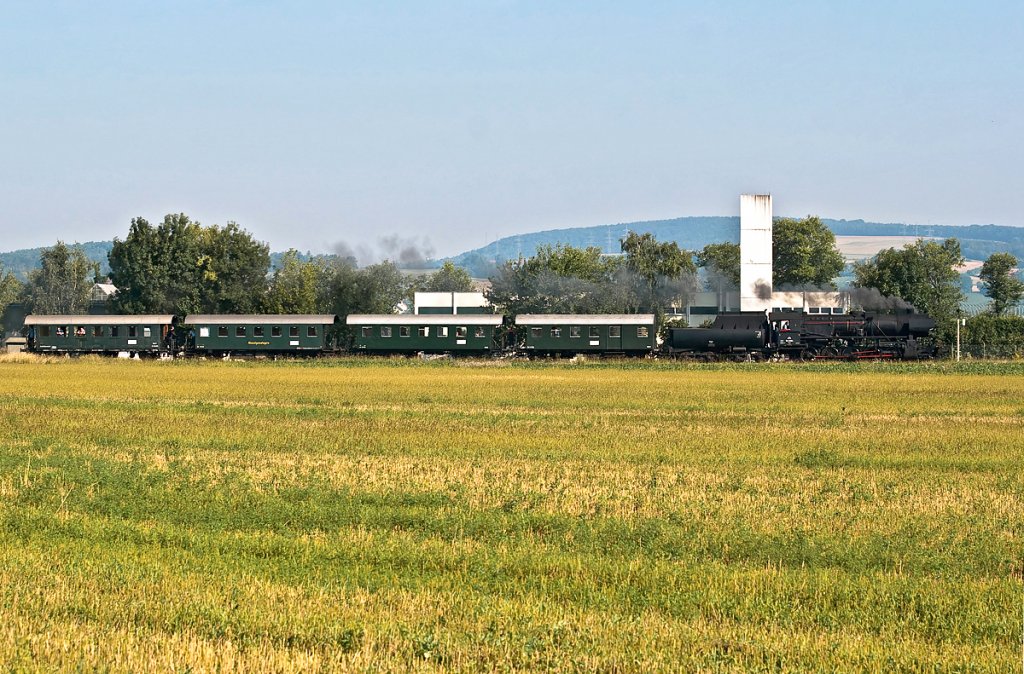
959 322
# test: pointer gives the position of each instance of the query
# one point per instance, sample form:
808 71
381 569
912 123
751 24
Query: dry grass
400 516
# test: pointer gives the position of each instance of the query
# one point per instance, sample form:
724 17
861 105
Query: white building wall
755 252
451 301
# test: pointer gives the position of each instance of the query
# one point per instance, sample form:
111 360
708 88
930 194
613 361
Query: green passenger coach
147 334
633 334
432 333
271 334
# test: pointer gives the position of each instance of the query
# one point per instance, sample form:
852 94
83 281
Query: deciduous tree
447 279
180 267
722 260
1001 286
63 282
804 253
663 272
923 273
298 286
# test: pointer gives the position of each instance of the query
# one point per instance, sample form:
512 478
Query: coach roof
261 319
89 319
585 319
424 319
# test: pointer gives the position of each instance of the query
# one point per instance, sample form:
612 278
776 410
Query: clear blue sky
313 123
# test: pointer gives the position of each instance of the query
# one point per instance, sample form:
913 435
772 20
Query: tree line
180 266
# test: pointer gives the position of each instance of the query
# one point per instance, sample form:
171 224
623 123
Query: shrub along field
406 516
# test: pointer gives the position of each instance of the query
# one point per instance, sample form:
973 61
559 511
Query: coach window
442 331
146 332
595 331
275 331
536 332
479 331
461 331
614 330
385 331
204 332
133 331
311 331
97 331
257 331
641 332
293 331
44 330
222 331
574 332
556 332
114 330
424 331
403 331
240 331
367 331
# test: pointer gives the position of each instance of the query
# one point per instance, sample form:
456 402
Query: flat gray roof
87 319
261 319
424 319
585 319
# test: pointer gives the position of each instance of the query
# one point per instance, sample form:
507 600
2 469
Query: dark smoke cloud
763 291
870 299
405 252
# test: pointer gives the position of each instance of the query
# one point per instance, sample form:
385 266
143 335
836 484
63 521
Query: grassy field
383 516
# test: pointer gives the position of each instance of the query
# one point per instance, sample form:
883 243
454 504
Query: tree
448 279
923 273
376 289
722 260
804 253
234 270
63 282
10 288
558 279
180 267
10 291
663 272
298 286
1001 286
155 269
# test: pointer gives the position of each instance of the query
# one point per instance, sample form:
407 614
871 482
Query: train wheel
830 352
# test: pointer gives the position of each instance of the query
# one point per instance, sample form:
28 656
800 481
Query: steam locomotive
796 335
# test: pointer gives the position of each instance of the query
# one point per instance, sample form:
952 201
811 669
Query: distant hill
21 262
693 233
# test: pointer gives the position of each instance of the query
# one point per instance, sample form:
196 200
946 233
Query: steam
406 252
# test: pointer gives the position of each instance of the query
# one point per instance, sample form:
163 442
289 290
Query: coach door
615 338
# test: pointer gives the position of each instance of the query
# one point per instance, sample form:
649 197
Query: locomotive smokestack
755 252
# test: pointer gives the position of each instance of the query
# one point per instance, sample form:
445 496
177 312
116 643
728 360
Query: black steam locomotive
796 335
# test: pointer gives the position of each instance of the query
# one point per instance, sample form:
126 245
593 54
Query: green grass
391 515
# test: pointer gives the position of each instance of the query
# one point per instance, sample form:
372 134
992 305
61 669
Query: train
737 336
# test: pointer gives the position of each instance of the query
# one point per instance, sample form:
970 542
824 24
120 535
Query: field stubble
402 516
